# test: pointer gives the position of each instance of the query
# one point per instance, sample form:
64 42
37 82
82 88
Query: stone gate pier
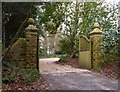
90 49
24 50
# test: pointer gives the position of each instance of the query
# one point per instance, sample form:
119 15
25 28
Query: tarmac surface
64 77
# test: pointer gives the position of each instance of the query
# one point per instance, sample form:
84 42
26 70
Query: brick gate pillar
31 44
96 37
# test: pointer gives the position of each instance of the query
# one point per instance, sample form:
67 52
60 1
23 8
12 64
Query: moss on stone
31 21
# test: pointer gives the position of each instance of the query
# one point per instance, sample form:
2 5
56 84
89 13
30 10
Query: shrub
110 49
7 80
65 45
70 46
63 58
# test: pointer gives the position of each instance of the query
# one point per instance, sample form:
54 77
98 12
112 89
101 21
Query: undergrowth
13 72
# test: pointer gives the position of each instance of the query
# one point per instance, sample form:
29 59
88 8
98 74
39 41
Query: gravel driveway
67 78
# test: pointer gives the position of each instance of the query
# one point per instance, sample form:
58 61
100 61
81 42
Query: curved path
61 77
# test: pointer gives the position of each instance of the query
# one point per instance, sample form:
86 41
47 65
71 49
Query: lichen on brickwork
24 50
96 50
96 37
17 51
